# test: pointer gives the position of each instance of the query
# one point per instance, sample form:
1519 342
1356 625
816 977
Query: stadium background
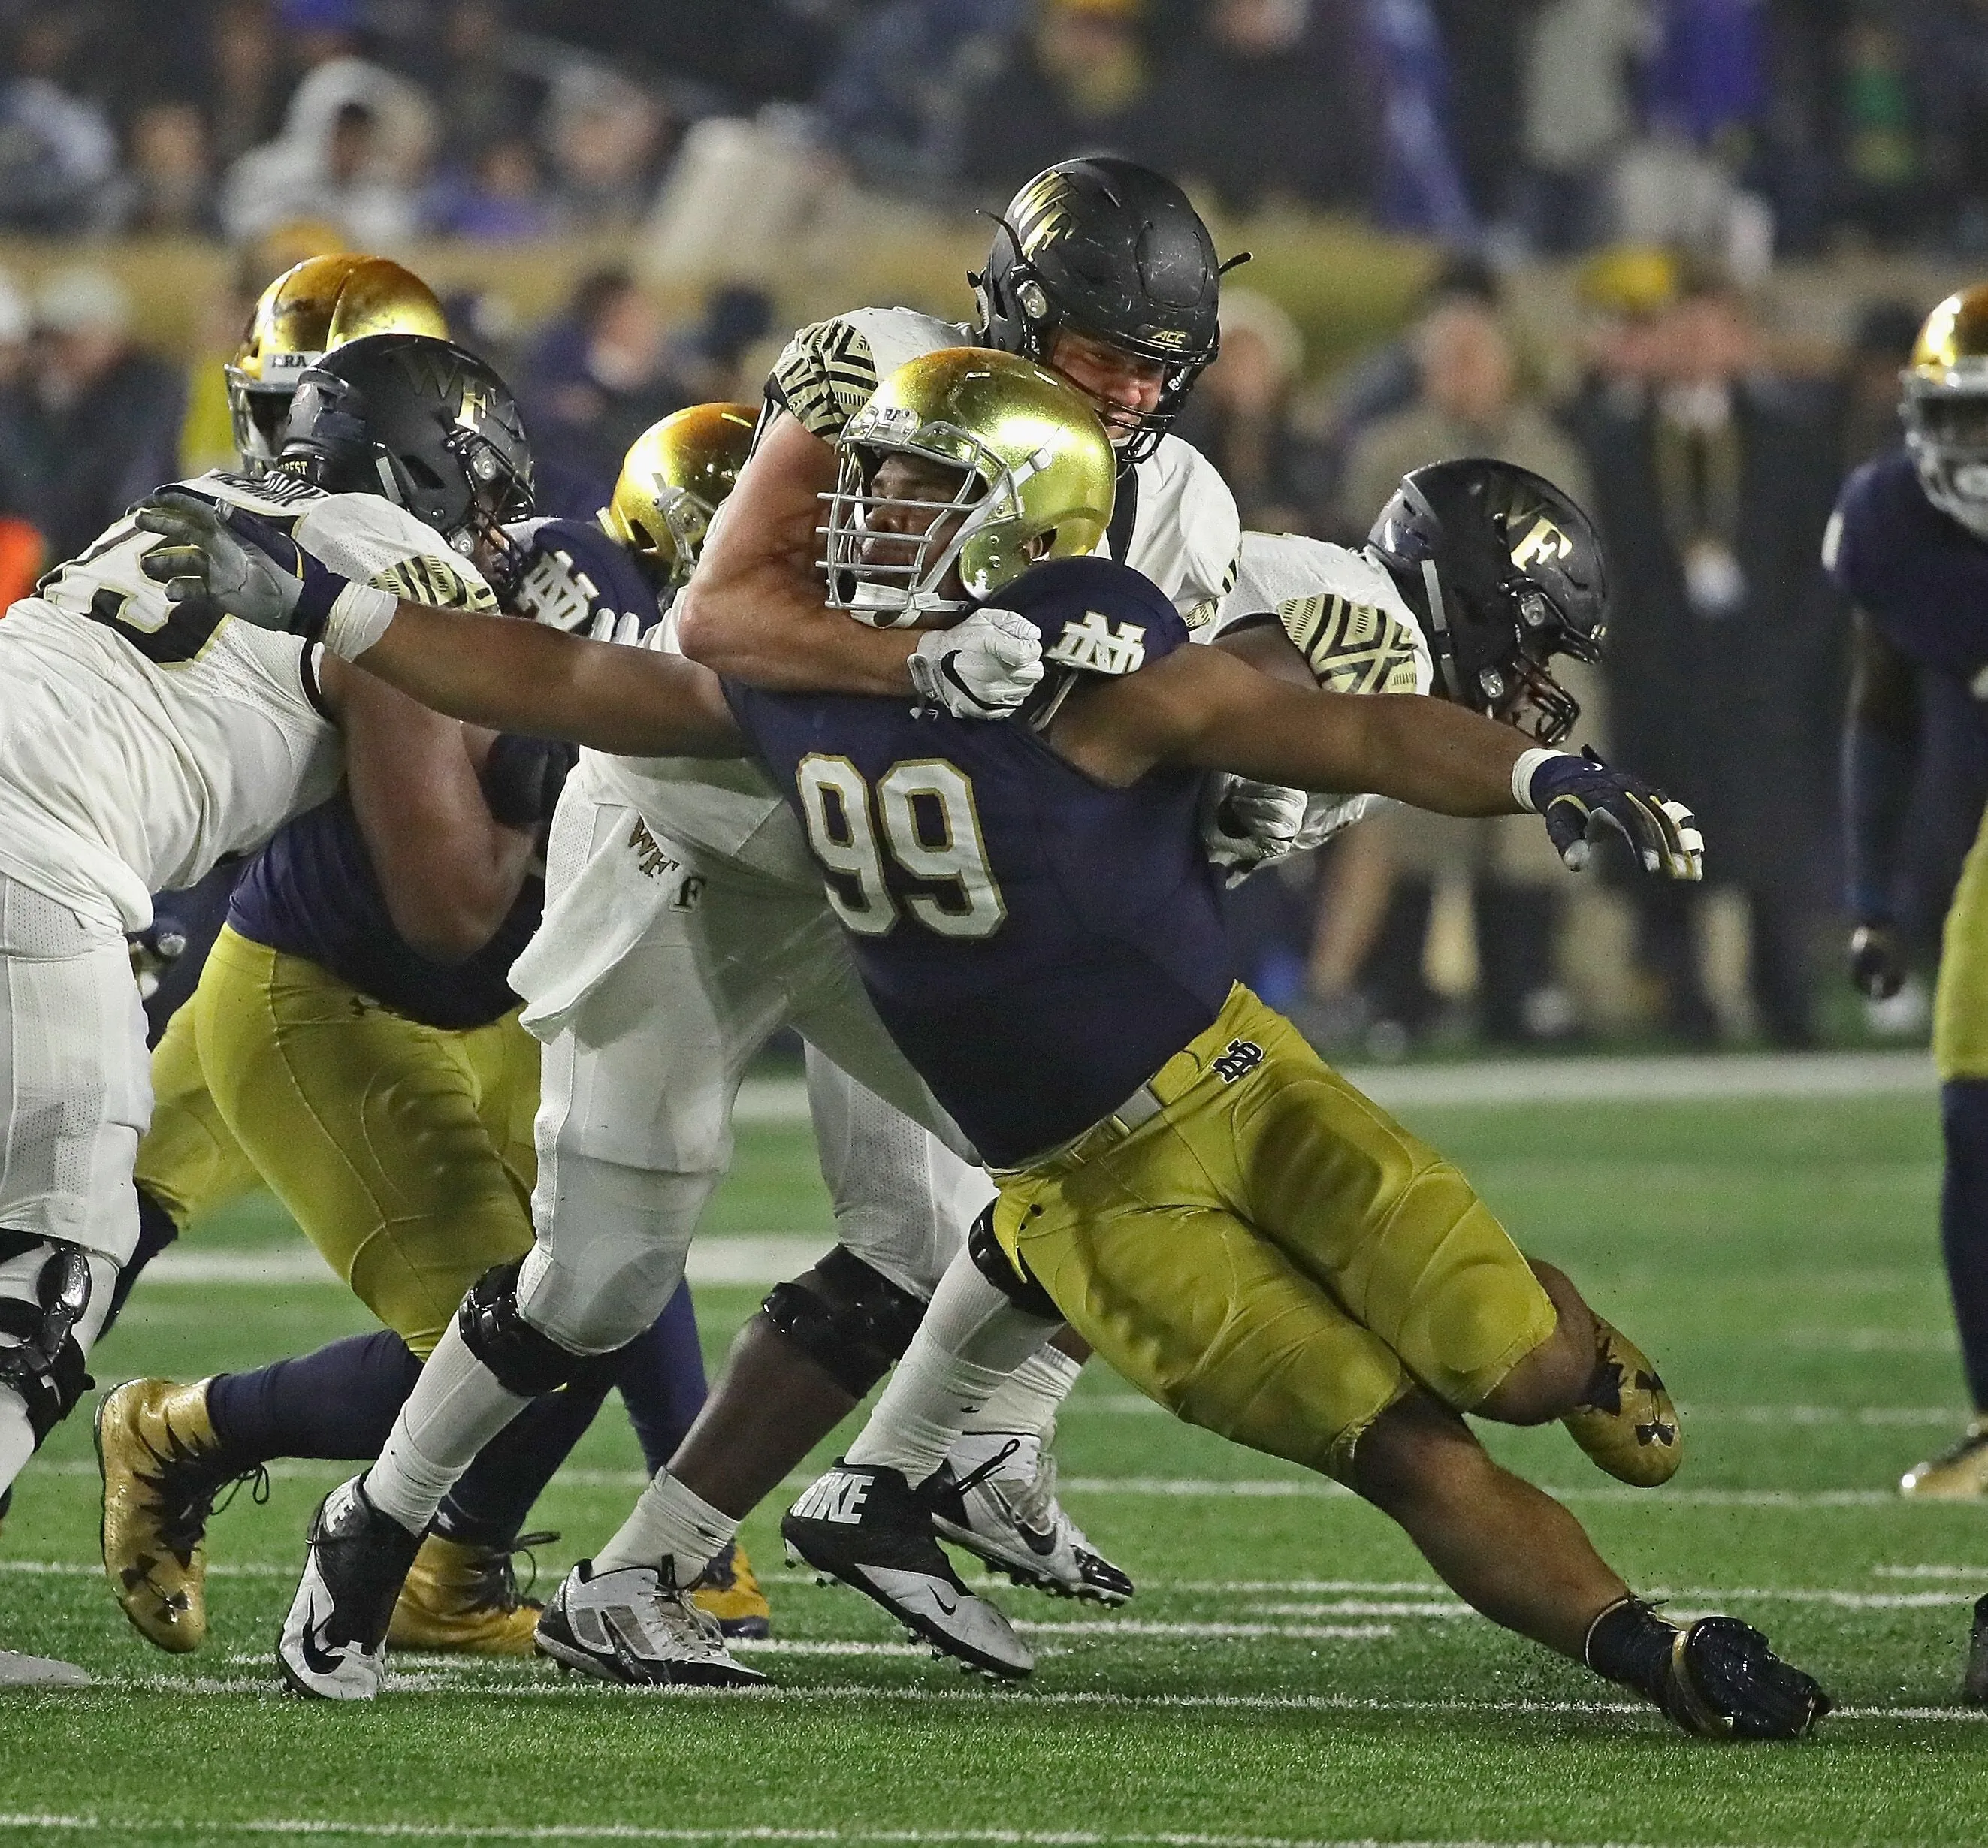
1501 225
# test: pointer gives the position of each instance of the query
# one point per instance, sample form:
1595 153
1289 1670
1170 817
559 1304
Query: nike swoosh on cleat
947 1602
1041 1541
316 1659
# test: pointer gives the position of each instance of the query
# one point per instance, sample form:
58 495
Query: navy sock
662 1380
1964 1223
156 1231
489 1505
339 1402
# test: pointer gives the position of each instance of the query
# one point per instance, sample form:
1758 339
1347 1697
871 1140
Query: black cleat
867 1527
1974 1683
1725 1682
334 1640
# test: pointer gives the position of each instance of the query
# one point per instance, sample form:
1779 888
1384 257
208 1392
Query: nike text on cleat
866 1527
1958 1473
334 1638
996 1496
631 1624
1629 1425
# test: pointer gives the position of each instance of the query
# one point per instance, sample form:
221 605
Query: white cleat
630 1624
333 1645
39 1671
995 1495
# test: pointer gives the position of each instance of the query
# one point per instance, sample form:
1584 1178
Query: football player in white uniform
140 743
1441 600
685 923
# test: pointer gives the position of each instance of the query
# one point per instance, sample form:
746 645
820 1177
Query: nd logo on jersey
1094 645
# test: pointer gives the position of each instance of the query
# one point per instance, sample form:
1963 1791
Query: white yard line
636 1832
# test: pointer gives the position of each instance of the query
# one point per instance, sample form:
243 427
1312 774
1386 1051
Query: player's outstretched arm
510 676
1201 707
754 608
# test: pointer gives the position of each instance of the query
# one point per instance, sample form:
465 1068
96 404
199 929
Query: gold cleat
729 1593
1959 1473
162 1466
1629 1425
465 1599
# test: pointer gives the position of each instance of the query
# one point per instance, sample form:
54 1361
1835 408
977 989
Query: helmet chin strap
1444 647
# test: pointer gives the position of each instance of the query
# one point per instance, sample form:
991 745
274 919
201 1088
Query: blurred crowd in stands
1672 149
1550 125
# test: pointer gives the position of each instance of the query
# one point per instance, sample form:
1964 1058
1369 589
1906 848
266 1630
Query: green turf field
1290 1671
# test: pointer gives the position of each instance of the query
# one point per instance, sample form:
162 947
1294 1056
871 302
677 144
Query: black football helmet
427 424
1503 571
1111 249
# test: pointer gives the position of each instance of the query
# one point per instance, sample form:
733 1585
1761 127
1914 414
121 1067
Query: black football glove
1581 799
1877 963
523 777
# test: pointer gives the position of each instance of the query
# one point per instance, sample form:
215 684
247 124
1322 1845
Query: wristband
358 617
1523 773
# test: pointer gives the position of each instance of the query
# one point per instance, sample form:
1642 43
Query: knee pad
1009 1275
524 1361
45 1368
852 1322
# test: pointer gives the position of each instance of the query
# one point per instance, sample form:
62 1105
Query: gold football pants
405 1152
1960 997
1272 1256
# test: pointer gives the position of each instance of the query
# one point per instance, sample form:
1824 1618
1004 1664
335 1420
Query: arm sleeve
1880 754
824 375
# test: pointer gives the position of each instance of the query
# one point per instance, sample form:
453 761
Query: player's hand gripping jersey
141 742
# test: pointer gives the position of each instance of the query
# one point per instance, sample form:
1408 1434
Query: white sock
457 1406
972 1338
668 1521
1030 1397
17 1437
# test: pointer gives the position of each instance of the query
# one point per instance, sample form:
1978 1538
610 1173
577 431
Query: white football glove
1246 824
983 666
625 629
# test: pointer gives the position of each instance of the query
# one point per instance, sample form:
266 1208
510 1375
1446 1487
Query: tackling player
686 923
358 1029
1037 922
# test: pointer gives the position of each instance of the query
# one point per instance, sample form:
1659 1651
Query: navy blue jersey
575 573
1921 576
312 892
1037 944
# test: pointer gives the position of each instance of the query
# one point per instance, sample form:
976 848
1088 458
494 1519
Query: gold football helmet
318 304
1036 477
1946 407
673 477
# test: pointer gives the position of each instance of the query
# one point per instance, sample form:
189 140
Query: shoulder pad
1096 615
277 492
366 538
1186 531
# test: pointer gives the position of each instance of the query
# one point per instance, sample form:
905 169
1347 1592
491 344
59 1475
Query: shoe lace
183 1489
675 1609
942 1478
493 1576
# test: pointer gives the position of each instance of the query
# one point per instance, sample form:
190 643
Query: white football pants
635 1127
75 1086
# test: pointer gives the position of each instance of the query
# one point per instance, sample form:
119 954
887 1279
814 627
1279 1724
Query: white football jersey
1343 614
141 742
1183 534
